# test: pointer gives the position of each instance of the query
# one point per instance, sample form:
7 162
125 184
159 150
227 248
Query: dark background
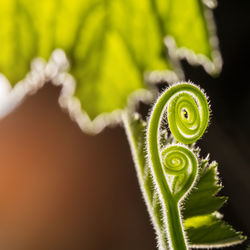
228 136
61 189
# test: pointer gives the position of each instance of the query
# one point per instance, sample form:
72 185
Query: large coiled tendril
187 117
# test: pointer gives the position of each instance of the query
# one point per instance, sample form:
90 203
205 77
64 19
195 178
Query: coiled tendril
176 159
188 116
181 163
175 167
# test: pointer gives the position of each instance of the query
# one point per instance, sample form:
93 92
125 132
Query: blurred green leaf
110 44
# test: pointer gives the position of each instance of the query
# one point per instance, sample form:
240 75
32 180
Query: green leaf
209 230
112 47
202 199
203 224
177 18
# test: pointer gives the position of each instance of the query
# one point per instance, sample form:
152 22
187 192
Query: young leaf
208 231
203 199
110 45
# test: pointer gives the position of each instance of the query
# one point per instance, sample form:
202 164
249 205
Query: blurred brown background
61 189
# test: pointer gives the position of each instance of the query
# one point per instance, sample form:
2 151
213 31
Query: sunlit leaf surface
110 44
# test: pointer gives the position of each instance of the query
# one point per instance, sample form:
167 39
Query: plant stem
170 232
175 230
136 139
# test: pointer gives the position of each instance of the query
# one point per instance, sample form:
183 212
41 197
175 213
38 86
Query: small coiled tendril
175 160
181 163
175 167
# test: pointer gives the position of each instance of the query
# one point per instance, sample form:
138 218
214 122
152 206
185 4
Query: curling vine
170 168
174 168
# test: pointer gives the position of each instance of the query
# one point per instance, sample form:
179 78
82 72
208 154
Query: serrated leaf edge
42 72
212 67
55 71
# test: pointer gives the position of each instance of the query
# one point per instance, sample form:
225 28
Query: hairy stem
187 129
171 213
136 136
175 229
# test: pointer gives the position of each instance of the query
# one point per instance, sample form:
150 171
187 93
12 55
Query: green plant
111 48
103 61
168 170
